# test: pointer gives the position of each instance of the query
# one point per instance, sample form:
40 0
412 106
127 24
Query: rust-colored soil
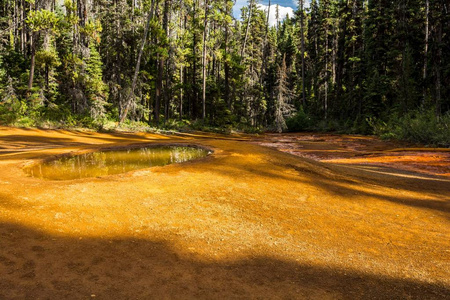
246 222
361 150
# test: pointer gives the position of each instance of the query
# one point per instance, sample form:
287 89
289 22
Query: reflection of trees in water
103 163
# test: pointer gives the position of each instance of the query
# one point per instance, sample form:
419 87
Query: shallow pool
103 163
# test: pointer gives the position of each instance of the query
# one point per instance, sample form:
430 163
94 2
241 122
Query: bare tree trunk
425 53
22 31
82 14
158 88
263 64
194 101
181 93
166 20
13 23
33 55
46 45
227 66
333 57
75 35
326 75
138 64
315 82
250 11
437 68
303 53
183 21
166 92
205 24
341 57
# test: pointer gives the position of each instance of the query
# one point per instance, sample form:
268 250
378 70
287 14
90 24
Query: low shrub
417 127
301 121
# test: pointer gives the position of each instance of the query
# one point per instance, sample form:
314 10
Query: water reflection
113 162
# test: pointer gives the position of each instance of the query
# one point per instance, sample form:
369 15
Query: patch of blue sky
286 7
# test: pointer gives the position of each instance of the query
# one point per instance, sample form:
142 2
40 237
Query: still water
113 162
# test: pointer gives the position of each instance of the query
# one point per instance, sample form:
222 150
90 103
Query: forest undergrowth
421 127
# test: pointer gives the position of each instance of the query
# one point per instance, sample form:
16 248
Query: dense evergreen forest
361 66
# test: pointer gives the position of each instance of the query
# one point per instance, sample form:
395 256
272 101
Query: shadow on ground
31 141
340 181
48 266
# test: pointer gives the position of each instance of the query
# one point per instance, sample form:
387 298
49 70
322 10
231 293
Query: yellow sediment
247 221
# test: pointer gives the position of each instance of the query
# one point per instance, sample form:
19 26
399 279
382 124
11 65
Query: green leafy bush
416 126
11 107
301 121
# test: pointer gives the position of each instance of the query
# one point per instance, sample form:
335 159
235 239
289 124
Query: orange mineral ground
345 217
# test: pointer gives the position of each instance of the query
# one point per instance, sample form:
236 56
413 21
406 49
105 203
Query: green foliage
2 76
72 65
42 20
93 29
300 121
96 89
47 58
416 126
248 129
11 107
222 116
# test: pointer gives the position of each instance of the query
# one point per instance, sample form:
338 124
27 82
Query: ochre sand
246 222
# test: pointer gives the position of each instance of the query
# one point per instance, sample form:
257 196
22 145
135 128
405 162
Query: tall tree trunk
205 24
227 66
46 45
159 87
33 57
437 67
75 34
405 76
264 47
167 7
194 99
425 52
303 53
83 17
341 59
249 18
181 92
166 92
326 74
183 21
33 38
138 64
22 31
333 56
